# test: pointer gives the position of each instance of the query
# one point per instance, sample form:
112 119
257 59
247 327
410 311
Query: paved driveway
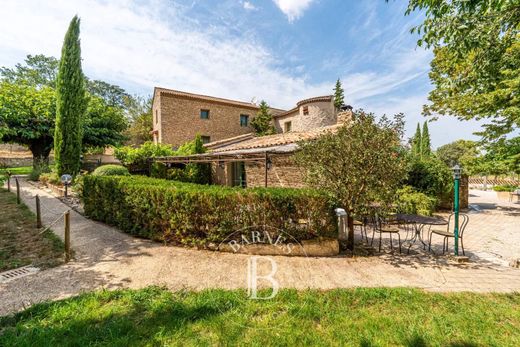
107 258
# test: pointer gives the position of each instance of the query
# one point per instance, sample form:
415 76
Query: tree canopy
28 109
361 163
476 65
462 152
27 117
139 112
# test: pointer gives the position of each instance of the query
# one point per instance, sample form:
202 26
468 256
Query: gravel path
107 258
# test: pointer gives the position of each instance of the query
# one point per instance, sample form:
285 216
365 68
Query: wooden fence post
9 182
67 236
17 191
38 213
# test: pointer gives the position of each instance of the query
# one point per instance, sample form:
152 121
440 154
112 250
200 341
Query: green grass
358 317
23 170
21 243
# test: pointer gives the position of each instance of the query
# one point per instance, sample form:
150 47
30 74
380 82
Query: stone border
309 248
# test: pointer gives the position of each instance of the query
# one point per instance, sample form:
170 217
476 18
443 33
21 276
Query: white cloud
147 46
139 47
249 6
293 9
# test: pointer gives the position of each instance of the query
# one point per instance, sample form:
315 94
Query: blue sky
278 50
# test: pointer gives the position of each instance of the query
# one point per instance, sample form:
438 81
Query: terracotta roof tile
279 139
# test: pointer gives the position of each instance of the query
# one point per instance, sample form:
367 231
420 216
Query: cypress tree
425 141
263 122
416 141
71 104
339 97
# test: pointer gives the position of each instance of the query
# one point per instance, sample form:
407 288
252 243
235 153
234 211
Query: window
205 139
287 127
156 117
244 120
305 110
204 114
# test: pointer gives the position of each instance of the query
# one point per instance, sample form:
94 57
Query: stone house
237 157
179 116
249 161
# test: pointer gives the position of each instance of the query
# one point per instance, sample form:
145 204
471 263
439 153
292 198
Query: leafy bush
39 169
111 170
430 176
137 158
51 177
192 214
505 188
411 201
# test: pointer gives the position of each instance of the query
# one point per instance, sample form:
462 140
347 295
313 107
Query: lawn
23 170
356 317
21 243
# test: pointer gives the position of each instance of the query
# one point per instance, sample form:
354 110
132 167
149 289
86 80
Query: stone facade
283 173
177 117
307 115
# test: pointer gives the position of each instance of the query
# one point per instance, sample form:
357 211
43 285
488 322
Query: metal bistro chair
384 226
463 222
362 223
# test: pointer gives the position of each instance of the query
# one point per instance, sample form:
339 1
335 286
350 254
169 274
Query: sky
280 51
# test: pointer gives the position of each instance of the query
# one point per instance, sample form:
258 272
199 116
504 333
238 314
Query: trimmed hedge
505 188
111 170
192 214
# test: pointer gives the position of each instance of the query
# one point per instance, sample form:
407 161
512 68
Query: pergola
262 157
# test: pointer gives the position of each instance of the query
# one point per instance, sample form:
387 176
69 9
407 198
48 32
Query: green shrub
192 214
40 168
411 201
51 177
431 177
137 158
505 188
111 170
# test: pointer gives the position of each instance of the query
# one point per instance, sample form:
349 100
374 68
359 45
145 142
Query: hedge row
192 214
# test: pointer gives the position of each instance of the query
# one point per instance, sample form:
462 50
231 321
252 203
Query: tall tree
339 95
476 65
416 142
28 110
361 163
71 104
426 146
112 95
27 116
38 70
139 113
263 122
462 152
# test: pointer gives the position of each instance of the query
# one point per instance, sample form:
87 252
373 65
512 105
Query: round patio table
419 222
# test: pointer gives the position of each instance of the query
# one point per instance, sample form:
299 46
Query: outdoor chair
362 223
463 222
386 226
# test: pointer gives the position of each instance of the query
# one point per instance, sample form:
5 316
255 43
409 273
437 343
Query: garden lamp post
66 180
456 175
